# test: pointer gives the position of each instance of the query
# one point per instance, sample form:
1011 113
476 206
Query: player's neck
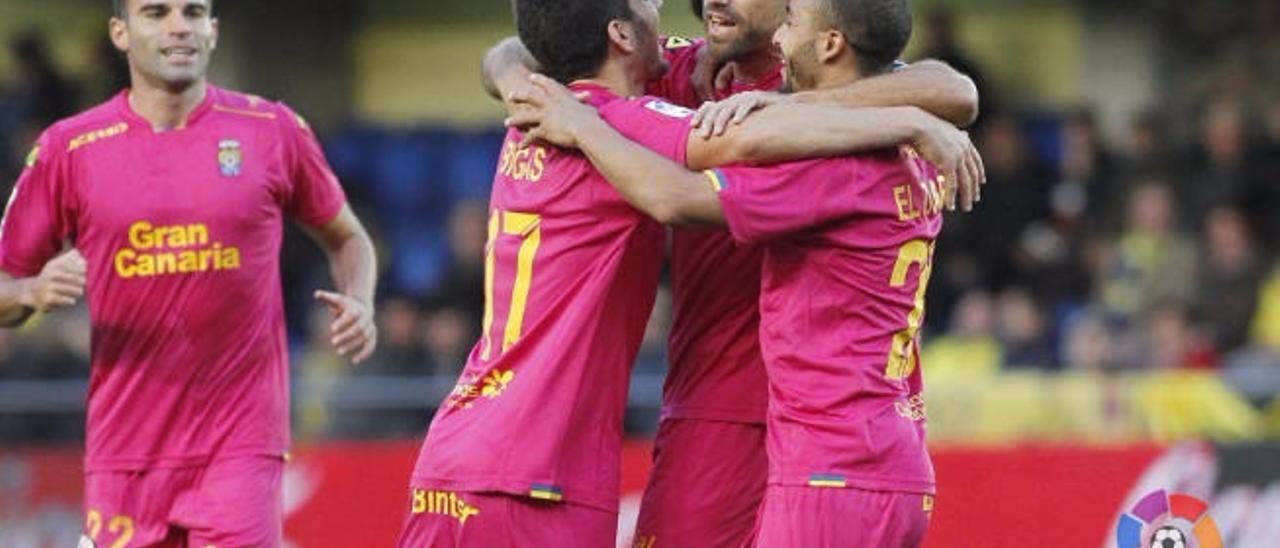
616 77
758 66
166 109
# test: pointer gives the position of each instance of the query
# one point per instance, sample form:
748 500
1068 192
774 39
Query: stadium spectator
970 349
1023 331
1088 344
1232 274
1171 342
447 337
1150 261
1014 197
1088 170
461 288
1145 152
941 43
1220 172
401 351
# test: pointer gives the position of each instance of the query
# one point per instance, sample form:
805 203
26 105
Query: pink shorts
819 517
460 519
706 485
229 503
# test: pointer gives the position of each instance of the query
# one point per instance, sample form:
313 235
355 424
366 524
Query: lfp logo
1168 520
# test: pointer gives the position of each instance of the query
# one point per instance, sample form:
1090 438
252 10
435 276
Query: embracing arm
931 85
792 131
507 65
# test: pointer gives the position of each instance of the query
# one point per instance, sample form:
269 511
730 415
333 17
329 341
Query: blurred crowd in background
1157 250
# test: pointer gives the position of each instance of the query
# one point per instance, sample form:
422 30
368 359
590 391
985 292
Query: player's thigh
536 523
132 509
706 485
808 517
238 503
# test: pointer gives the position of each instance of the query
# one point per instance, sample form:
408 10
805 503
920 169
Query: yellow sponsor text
444 503
97 135
175 249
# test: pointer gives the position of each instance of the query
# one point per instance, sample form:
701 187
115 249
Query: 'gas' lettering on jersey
176 249
522 163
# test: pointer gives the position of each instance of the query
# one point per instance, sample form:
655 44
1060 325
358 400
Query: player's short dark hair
568 38
697 8
120 8
877 30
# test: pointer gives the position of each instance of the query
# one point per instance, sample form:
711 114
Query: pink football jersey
571 272
181 230
848 251
715 371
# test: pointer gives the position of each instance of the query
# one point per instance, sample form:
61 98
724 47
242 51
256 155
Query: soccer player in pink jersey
525 451
166 204
848 246
709 471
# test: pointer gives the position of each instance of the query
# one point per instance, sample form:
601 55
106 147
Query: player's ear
831 43
213 37
622 35
118 30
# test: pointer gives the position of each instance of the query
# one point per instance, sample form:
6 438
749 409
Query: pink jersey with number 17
571 271
848 251
181 230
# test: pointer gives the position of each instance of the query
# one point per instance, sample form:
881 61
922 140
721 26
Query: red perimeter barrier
356 493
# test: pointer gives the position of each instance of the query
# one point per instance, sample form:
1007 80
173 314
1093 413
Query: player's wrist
592 130
26 294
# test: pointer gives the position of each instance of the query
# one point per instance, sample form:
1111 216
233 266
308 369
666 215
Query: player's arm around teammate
929 85
675 195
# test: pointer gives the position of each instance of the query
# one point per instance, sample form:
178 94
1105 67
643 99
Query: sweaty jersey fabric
181 231
849 245
715 369
571 272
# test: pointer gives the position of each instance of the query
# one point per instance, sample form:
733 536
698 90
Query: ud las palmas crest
230 157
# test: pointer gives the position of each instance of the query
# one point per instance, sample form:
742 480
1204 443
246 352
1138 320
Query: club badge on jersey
229 157
667 109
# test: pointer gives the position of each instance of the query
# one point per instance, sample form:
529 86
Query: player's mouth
719 25
179 54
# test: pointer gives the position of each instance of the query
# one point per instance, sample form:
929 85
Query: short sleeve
767 202
313 195
676 84
654 123
40 215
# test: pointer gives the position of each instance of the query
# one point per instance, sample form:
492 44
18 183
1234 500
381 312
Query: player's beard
754 40
654 64
801 68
